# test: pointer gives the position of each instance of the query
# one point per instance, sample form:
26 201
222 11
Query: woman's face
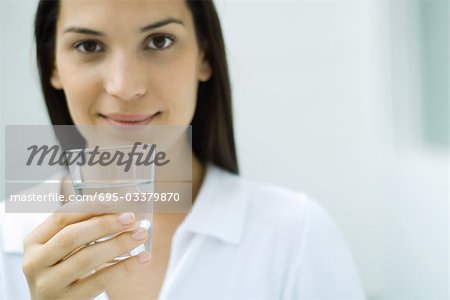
127 62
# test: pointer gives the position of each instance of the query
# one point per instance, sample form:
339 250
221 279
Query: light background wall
344 100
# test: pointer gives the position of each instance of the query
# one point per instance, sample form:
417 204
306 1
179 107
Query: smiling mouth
128 119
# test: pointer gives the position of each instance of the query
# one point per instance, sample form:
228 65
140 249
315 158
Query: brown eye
160 42
88 46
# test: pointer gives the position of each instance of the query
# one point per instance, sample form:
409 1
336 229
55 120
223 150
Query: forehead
116 14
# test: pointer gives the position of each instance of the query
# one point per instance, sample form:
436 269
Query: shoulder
274 204
302 231
277 208
19 218
281 204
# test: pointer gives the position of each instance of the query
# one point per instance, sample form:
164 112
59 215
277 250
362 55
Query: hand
59 265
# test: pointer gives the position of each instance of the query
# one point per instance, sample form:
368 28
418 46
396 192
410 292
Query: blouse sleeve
323 268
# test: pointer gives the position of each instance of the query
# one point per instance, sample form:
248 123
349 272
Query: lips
128 119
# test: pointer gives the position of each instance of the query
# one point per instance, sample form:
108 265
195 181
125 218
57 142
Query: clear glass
117 175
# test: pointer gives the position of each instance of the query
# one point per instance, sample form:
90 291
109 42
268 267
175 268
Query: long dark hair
212 124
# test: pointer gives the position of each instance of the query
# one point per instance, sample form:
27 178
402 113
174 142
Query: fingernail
139 234
126 218
144 256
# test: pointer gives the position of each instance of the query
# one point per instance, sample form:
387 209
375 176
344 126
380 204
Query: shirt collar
220 208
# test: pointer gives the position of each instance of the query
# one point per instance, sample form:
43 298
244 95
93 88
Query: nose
125 77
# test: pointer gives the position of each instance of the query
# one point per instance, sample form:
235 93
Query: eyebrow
146 28
160 24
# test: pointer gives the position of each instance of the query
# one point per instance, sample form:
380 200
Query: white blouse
241 240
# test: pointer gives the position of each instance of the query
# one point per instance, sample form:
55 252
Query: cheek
81 88
178 84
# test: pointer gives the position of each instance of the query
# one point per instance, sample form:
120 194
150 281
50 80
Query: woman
163 62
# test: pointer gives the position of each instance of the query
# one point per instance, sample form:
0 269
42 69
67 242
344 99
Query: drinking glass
121 177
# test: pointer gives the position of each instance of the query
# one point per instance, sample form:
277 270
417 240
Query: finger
77 235
98 282
91 257
72 212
